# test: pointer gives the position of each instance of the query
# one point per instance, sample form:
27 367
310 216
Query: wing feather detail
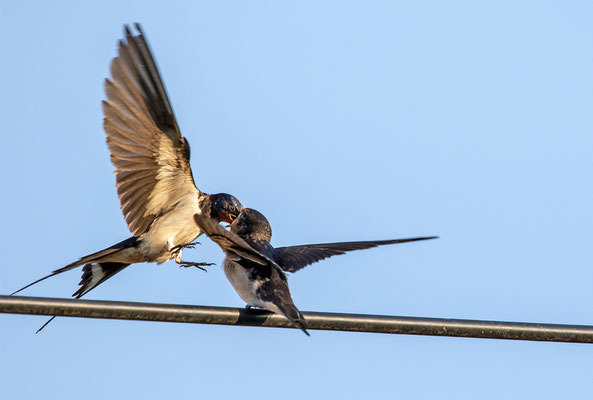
151 158
294 258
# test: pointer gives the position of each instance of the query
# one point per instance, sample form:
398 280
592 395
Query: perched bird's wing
150 156
274 290
236 248
293 258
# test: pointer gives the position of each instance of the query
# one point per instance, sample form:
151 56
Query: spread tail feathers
94 271
95 274
92 276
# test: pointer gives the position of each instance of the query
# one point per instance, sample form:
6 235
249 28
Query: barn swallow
153 177
256 269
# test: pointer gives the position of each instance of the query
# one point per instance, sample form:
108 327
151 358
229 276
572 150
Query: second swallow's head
224 207
251 223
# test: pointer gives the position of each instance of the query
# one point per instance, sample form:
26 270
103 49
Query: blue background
338 120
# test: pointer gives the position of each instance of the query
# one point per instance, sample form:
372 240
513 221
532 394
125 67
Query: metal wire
316 320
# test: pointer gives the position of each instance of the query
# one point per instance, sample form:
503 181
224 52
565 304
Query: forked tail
89 260
94 271
92 276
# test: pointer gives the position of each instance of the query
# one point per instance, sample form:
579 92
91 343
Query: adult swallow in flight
154 180
256 269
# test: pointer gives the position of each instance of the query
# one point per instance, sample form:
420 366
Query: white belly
245 288
172 229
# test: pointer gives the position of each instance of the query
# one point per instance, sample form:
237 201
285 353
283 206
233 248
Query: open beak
231 219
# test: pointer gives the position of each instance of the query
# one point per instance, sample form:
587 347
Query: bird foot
180 247
187 264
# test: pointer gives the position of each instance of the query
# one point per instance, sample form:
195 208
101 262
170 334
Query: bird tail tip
301 323
303 326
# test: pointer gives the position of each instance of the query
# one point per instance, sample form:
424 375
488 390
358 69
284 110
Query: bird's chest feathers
174 228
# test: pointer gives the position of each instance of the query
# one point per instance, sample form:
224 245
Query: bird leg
180 247
176 253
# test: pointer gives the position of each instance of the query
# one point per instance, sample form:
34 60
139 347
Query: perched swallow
256 269
154 180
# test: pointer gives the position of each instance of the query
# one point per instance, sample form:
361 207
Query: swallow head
251 223
224 207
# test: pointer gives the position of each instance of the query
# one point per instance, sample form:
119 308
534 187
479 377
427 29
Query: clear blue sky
338 120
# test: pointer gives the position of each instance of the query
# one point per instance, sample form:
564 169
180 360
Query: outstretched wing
150 156
293 258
